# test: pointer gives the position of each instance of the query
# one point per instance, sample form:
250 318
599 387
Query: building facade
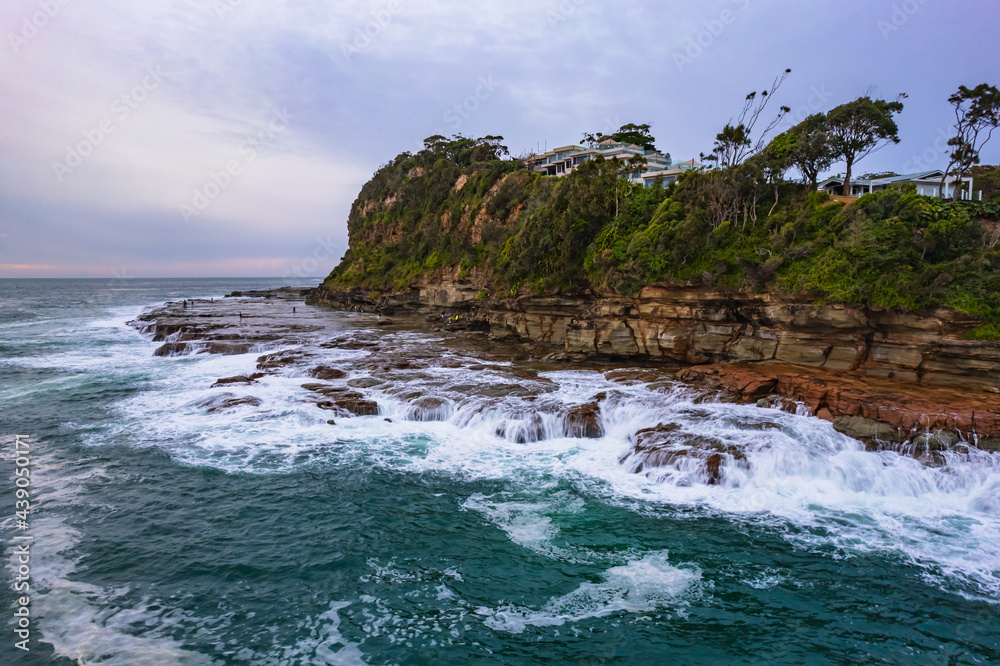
926 183
566 159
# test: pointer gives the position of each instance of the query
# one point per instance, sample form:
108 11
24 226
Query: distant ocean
161 533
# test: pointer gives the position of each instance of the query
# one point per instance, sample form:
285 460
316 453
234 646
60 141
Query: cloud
363 80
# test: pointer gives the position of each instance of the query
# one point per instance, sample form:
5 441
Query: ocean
464 529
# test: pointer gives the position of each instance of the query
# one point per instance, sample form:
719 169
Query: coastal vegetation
460 205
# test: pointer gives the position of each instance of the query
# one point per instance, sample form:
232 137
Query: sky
229 138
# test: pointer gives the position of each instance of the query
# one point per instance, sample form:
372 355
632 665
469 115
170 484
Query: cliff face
692 326
879 375
490 240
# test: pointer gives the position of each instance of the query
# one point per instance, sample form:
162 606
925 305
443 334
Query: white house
669 174
926 182
566 159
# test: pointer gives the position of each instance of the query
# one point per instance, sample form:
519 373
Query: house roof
922 175
937 173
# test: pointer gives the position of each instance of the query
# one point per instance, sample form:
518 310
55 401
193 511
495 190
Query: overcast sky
230 137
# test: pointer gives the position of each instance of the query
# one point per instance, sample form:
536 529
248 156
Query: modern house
669 174
564 160
926 182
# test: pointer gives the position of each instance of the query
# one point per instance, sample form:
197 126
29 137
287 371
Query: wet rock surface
584 421
293 339
912 372
350 403
863 408
326 372
429 408
239 379
668 450
224 403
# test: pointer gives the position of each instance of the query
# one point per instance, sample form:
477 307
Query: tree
623 170
490 147
987 179
733 145
435 143
775 160
812 152
465 150
860 127
628 133
977 114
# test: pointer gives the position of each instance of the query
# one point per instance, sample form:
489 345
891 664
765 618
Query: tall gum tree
811 150
977 114
629 133
734 144
858 128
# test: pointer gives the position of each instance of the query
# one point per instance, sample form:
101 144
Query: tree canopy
977 114
628 133
860 127
464 150
811 152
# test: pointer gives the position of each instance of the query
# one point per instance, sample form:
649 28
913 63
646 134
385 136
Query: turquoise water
164 535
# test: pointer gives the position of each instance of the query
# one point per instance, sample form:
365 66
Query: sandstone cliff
909 373
880 311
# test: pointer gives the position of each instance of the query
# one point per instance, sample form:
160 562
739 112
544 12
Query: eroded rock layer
905 371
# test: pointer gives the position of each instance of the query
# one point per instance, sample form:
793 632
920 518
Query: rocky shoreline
890 379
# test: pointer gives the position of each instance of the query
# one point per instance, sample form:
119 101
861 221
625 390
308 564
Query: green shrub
893 249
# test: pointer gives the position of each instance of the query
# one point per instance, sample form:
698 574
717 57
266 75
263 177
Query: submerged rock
238 379
584 421
667 449
632 376
326 372
507 390
353 344
359 407
279 359
865 429
928 447
349 402
522 427
173 349
226 348
365 382
330 391
429 408
230 403
566 357
988 444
